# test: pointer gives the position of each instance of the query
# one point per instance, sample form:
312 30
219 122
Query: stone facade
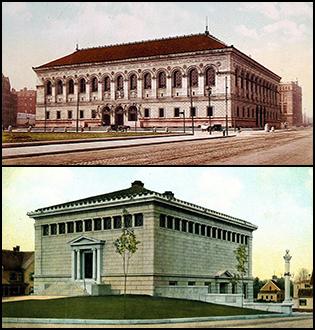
182 244
117 92
291 104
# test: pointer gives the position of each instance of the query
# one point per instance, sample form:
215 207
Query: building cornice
80 206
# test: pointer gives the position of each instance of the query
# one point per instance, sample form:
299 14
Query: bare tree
303 275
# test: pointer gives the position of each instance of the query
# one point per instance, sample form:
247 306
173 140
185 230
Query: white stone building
182 246
156 83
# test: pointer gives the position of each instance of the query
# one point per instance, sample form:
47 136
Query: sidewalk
29 151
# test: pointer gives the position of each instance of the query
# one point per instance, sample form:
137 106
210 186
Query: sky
276 34
276 199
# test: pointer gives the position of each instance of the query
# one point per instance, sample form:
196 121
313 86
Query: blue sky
277 34
278 200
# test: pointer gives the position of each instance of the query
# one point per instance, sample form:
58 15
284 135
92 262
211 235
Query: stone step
64 289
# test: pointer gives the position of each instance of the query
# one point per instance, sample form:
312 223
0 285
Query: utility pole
191 111
226 108
77 119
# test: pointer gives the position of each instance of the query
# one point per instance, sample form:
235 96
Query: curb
145 321
110 147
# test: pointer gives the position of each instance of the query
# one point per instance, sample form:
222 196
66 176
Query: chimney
16 248
137 183
169 194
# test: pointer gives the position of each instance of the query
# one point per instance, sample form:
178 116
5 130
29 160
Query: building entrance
119 116
88 264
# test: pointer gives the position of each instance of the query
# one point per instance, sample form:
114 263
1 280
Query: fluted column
73 269
94 263
98 257
78 265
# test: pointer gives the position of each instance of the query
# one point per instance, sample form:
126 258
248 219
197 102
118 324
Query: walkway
28 151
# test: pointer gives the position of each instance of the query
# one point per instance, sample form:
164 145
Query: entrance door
119 117
223 287
106 117
88 264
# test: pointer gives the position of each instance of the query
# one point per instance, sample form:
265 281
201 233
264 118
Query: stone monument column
287 296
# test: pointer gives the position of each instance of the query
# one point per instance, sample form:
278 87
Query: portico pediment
224 274
83 240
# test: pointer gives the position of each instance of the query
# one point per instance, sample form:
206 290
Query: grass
14 137
111 307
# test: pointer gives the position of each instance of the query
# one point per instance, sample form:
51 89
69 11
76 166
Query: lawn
111 307
32 137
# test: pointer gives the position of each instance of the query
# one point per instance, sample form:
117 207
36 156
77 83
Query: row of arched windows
177 78
255 84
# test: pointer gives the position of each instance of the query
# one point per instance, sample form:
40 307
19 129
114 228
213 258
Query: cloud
18 10
279 10
247 32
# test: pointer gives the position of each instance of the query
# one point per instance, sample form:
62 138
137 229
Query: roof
16 260
136 192
274 285
158 47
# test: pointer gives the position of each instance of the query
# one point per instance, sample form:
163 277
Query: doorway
88 264
106 117
119 116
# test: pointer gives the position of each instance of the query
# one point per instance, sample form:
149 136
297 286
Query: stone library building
182 245
158 83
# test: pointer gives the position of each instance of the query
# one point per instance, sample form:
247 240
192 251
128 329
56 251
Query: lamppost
45 102
226 109
77 119
136 110
209 89
183 113
191 112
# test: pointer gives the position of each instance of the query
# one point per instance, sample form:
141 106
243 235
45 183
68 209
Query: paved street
285 322
280 148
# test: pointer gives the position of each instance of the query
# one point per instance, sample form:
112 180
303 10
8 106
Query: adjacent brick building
26 107
182 245
9 104
153 82
291 104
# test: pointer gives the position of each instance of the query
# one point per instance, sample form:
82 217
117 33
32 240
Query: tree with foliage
126 245
241 256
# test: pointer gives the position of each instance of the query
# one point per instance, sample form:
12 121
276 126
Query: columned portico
86 259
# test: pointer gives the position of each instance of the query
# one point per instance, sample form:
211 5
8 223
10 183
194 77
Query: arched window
107 84
132 114
147 80
120 83
59 87
210 77
162 80
193 78
133 82
71 86
177 79
94 84
48 88
82 85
